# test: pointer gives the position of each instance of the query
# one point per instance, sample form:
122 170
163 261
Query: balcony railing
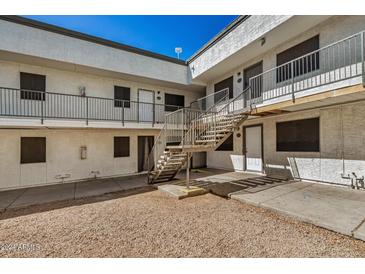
340 61
49 105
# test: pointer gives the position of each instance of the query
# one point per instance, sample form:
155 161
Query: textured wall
63 155
35 42
342 146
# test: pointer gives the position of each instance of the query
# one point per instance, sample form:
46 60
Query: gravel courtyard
151 224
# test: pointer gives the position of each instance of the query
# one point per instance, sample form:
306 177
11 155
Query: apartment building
76 107
269 94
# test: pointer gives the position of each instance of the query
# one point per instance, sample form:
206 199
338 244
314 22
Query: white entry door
145 109
254 148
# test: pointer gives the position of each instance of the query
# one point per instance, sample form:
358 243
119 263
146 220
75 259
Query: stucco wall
63 81
63 155
36 42
342 149
331 30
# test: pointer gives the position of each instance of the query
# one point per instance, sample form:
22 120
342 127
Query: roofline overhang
93 39
235 23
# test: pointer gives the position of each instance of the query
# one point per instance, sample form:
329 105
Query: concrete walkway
68 191
336 208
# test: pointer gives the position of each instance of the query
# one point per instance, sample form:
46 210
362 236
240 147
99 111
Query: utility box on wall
83 152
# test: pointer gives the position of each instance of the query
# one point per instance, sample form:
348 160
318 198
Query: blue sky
159 34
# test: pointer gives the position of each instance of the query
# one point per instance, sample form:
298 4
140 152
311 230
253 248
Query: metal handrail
340 60
54 105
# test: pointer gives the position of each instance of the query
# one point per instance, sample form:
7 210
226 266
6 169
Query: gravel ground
151 224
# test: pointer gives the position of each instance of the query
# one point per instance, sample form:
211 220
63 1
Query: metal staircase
203 127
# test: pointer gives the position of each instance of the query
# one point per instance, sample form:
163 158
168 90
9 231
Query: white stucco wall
63 81
331 30
342 149
63 155
44 44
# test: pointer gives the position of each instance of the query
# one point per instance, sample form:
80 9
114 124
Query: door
256 84
145 109
145 144
253 145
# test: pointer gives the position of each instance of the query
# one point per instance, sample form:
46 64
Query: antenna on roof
178 51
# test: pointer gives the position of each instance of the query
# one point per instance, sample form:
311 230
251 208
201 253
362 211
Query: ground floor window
32 150
121 147
299 135
227 145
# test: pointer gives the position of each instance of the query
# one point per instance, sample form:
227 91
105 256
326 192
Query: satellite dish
178 51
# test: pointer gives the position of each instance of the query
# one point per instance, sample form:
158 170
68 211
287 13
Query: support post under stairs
188 171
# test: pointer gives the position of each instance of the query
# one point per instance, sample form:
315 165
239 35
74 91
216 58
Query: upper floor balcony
19 107
330 75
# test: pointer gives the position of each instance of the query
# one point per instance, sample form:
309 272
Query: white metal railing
336 62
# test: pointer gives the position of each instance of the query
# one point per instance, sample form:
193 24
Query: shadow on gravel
22 211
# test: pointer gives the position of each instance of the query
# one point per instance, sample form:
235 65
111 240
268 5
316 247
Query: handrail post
123 112
87 110
43 97
153 114
183 126
363 58
292 81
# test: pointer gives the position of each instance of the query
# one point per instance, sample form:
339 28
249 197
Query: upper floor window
32 86
32 150
174 102
122 95
299 135
226 83
301 66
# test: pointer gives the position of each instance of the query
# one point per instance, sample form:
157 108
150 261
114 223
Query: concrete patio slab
95 188
44 194
8 197
181 192
335 208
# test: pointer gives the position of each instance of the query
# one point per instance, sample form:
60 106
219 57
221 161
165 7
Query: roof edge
86 37
218 37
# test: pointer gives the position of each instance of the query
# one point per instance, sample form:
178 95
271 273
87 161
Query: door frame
244 150
153 102
138 138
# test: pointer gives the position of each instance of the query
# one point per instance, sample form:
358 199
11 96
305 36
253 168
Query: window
122 94
32 86
226 83
32 150
121 147
300 135
301 66
227 145
174 102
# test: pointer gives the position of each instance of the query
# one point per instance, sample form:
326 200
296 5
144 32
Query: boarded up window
32 150
32 86
226 83
299 135
305 64
174 102
227 145
122 95
121 147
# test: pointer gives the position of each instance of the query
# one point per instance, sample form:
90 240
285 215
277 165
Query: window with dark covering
32 150
301 66
226 83
299 135
122 95
227 145
32 86
121 147
174 102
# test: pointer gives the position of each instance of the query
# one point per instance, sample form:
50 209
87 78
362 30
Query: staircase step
205 141
212 136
